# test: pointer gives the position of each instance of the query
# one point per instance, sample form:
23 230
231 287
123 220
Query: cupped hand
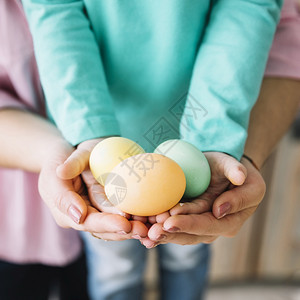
221 211
225 170
76 167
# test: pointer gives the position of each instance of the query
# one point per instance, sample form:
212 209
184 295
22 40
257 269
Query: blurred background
263 260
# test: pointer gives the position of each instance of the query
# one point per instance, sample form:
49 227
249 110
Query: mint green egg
193 163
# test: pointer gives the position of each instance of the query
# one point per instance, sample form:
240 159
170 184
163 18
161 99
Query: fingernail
161 237
171 229
122 232
150 246
136 236
223 210
74 213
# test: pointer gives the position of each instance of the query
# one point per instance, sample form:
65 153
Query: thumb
234 171
75 164
246 196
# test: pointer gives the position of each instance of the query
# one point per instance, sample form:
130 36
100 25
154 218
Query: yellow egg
145 184
109 153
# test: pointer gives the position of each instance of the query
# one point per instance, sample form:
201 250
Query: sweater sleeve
228 73
71 69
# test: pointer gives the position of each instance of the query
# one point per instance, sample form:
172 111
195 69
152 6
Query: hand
192 223
69 204
225 170
68 201
77 164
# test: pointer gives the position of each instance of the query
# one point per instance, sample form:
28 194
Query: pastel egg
193 163
145 184
109 153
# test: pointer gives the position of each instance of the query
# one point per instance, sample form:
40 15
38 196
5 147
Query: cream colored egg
145 184
109 153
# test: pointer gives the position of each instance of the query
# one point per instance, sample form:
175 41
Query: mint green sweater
153 70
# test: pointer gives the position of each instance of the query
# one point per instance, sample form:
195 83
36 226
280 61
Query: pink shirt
284 58
28 232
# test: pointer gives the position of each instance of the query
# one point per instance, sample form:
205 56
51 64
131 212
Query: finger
104 223
237 200
99 200
148 243
152 219
75 164
156 232
176 238
161 218
196 206
234 171
110 237
78 161
72 205
250 194
61 196
98 197
140 218
158 235
203 224
79 186
207 224
187 239
138 231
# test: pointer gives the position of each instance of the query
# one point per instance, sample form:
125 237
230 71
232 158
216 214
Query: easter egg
193 163
109 153
145 184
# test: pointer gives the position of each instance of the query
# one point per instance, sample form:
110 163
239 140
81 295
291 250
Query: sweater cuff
90 128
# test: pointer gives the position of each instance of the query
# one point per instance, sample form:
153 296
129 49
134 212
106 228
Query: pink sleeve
19 79
20 86
284 58
8 96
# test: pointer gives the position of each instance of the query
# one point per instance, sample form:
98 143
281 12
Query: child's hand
231 205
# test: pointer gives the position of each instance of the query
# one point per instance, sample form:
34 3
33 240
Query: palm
219 183
225 170
97 195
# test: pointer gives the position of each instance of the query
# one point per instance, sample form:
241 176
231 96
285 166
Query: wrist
55 150
255 165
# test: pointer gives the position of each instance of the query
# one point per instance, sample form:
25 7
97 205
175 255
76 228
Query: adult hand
232 196
225 170
75 167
